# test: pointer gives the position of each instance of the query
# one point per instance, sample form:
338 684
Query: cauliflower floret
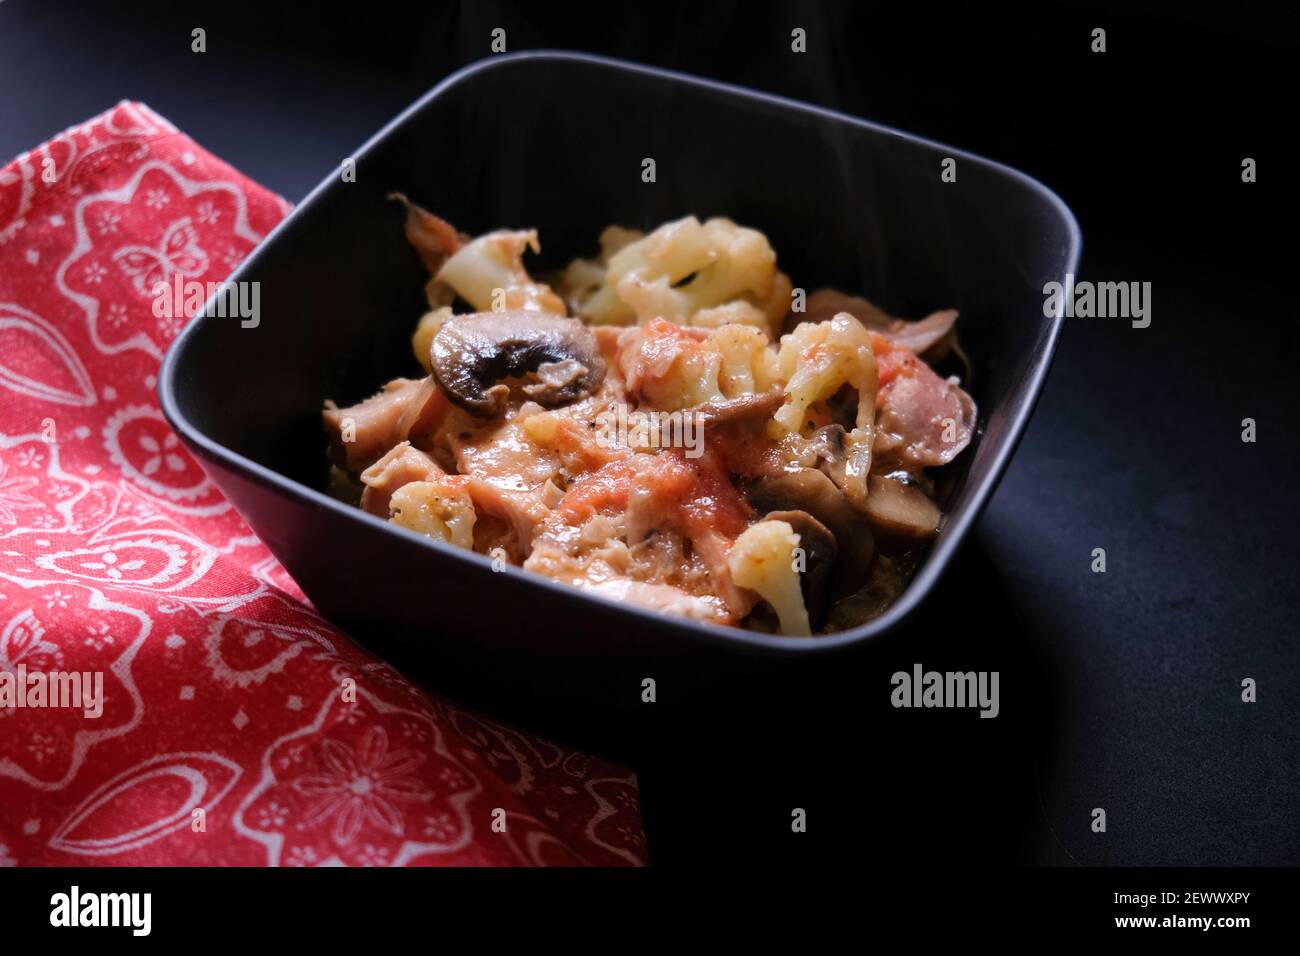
669 367
736 312
583 281
614 239
777 304
765 560
748 363
685 268
489 274
745 265
675 251
816 359
435 508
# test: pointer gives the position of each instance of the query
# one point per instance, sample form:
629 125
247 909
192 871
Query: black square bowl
557 141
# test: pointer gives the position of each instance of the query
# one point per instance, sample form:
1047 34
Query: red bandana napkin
227 733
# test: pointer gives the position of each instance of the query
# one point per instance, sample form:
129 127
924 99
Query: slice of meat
662 571
664 493
519 465
360 434
522 509
608 488
435 239
691 497
509 475
581 444
423 413
585 435
922 420
505 454
402 465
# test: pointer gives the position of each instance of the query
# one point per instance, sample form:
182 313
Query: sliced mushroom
739 409
819 550
845 458
471 354
827 443
810 490
902 516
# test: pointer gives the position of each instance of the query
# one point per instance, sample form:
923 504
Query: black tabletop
1120 690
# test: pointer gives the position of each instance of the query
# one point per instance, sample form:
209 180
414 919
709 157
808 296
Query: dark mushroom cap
471 354
819 560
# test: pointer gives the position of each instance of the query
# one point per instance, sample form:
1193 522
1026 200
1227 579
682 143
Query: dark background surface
1119 690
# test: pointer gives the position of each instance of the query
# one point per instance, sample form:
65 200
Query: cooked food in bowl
670 424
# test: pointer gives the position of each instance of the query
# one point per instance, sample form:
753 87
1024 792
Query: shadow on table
880 785
731 748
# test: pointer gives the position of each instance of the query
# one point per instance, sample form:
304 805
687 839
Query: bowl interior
559 143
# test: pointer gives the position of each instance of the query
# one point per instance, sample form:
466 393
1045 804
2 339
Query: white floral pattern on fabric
361 787
15 496
119 557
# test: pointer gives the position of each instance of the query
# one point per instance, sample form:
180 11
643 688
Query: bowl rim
927 574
